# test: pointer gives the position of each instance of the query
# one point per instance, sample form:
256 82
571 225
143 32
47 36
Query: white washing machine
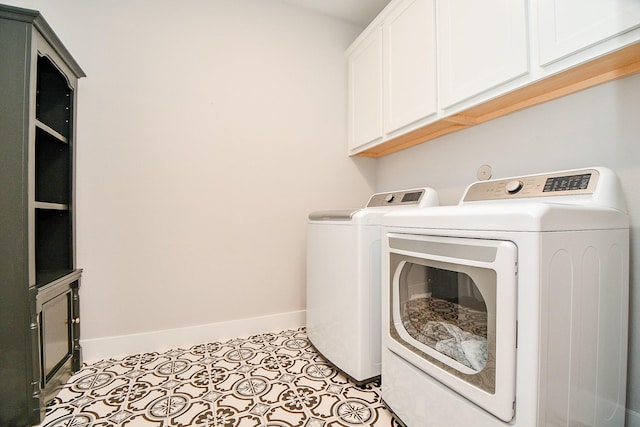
343 280
510 308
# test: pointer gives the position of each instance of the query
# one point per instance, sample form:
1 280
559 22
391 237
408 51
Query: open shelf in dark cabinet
53 249
53 174
52 168
53 97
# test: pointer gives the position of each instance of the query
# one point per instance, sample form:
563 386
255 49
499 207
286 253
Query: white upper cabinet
409 52
365 91
481 45
568 26
426 68
392 74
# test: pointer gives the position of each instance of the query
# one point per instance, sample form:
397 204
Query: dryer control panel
567 183
417 197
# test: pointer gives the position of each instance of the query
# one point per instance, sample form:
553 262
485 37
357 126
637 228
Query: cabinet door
409 40
57 308
567 26
481 45
365 91
55 334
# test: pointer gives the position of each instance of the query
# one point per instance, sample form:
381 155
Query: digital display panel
411 197
567 183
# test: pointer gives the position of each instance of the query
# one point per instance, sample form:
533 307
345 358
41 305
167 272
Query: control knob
514 186
389 198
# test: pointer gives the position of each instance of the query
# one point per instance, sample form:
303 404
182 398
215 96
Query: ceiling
356 12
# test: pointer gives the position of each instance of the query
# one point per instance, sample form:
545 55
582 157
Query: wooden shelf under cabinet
621 63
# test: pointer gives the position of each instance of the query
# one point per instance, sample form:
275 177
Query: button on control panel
556 184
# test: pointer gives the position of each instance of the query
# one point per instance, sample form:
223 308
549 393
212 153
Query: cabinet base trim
97 349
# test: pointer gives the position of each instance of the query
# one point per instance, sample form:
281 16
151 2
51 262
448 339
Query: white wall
596 127
207 131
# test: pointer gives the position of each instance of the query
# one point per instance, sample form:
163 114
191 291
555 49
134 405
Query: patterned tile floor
267 380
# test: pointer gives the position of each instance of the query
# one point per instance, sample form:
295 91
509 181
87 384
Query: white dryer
510 308
343 280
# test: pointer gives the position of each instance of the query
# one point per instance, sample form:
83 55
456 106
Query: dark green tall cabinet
39 279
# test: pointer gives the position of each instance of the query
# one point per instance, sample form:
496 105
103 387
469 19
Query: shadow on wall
368 168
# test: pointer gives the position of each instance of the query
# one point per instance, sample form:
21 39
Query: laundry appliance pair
508 309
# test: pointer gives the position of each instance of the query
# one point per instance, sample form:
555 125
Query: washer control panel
397 198
553 184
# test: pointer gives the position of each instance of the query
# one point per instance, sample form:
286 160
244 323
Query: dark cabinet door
55 331
58 318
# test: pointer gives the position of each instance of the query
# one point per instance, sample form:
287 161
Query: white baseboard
97 349
633 419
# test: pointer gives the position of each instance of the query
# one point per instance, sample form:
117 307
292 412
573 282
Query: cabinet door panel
56 333
410 73
567 26
365 96
482 44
